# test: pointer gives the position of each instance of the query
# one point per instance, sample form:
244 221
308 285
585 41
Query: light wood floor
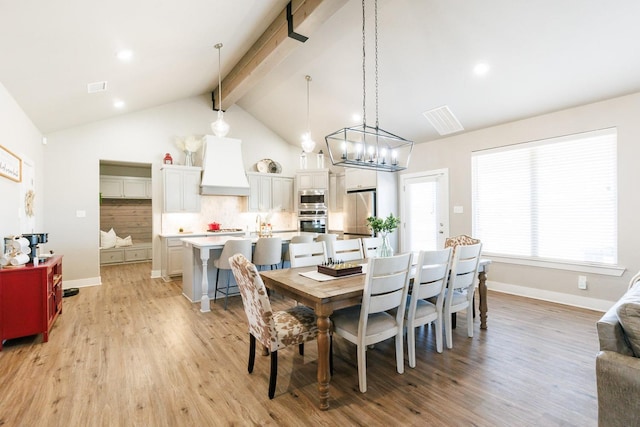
135 352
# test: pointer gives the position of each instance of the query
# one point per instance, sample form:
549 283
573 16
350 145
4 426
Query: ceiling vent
443 120
97 87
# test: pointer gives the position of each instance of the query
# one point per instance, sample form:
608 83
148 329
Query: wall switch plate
582 282
458 209
81 214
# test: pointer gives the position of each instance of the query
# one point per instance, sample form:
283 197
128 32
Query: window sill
607 270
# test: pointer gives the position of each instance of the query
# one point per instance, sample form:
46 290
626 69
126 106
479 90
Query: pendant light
364 146
220 127
307 143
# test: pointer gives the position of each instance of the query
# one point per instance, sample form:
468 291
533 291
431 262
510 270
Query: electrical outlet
582 282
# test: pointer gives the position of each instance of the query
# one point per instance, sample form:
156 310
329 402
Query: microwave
312 199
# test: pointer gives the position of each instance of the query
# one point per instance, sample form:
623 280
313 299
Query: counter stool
268 252
232 247
328 240
303 238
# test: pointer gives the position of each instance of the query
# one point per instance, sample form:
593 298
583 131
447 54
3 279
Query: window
549 200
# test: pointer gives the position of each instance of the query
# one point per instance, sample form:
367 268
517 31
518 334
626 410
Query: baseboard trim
156 274
81 283
550 296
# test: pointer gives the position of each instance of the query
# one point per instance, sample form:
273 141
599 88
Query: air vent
443 120
96 87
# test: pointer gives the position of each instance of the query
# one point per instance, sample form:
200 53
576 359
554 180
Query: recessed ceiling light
118 103
356 118
125 55
481 69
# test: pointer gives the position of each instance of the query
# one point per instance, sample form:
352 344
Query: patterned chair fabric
274 330
463 239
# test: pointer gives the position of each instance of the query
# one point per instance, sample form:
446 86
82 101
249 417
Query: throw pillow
629 315
120 242
107 239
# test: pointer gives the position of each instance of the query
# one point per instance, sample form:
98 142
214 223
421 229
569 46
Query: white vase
188 158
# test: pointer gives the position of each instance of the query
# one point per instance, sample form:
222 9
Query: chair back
306 254
430 280
232 247
370 246
464 267
268 251
386 287
255 300
347 250
328 240
461 240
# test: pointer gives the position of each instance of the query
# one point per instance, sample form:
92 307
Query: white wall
558 285
72 170
19 135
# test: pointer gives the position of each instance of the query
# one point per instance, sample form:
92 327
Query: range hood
223 169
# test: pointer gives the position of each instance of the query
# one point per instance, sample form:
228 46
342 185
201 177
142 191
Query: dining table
328 295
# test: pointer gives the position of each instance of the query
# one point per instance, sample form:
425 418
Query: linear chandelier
363 146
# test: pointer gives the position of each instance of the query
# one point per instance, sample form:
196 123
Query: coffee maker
34 240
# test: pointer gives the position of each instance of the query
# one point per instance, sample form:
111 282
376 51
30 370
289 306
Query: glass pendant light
307 143
220 127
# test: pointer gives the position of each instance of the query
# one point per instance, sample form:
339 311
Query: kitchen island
198 276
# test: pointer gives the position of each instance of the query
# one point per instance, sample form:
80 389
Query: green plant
386 225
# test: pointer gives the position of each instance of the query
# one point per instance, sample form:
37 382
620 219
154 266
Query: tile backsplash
229 212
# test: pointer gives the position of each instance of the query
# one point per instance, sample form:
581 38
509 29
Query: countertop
217 242
202 234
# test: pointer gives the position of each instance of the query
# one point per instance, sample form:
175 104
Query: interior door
424 201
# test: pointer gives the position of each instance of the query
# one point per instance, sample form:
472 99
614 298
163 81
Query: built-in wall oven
312 211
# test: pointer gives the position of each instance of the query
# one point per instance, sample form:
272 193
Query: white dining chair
307 254
461 287
386 287
427 297
328 240
347 250
370 246
302 238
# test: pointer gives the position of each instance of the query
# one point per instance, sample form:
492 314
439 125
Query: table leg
482 288
204 300
323 361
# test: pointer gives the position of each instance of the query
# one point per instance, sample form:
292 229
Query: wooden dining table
327 296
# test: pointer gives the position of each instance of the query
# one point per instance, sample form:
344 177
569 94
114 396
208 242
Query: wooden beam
273 46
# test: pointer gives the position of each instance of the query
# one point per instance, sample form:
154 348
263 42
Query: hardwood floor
135 352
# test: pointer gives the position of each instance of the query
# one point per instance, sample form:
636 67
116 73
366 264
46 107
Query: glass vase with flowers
382 227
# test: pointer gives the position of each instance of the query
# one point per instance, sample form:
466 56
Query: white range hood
223 169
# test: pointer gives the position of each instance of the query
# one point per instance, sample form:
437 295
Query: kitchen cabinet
336 192
312 179
360 179
136 253
181 188
125 187
30 299
270 192
171 257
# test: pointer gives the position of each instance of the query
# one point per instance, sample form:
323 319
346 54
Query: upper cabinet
181 188
270 192
125 187
312 179
359 179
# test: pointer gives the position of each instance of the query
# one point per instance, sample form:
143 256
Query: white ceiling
544 55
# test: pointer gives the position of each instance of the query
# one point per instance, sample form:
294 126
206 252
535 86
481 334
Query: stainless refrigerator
358 206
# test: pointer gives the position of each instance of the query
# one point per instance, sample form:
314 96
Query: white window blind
554 199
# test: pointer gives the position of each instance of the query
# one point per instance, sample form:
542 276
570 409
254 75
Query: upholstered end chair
274 330
618 361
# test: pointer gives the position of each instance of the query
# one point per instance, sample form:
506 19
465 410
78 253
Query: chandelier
363 146
220 127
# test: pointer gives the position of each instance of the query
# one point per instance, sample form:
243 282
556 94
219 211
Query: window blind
554 199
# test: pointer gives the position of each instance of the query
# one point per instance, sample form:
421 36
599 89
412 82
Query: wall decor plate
262 166
273 167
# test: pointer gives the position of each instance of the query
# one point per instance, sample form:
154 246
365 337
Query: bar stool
328 240
231 247
268 252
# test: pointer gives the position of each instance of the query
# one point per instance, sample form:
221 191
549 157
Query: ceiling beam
275 44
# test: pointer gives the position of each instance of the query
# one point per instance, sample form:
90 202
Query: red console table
30 299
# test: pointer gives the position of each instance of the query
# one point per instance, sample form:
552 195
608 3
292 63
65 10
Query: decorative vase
188 158
385 250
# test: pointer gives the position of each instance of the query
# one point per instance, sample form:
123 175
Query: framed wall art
10 165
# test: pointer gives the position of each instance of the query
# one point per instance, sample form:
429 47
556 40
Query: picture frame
10 165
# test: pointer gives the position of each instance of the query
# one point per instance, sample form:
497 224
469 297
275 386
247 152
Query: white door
424 200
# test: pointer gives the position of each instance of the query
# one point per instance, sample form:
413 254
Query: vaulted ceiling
542 56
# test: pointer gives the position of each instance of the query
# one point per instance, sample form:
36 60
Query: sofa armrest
618 380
